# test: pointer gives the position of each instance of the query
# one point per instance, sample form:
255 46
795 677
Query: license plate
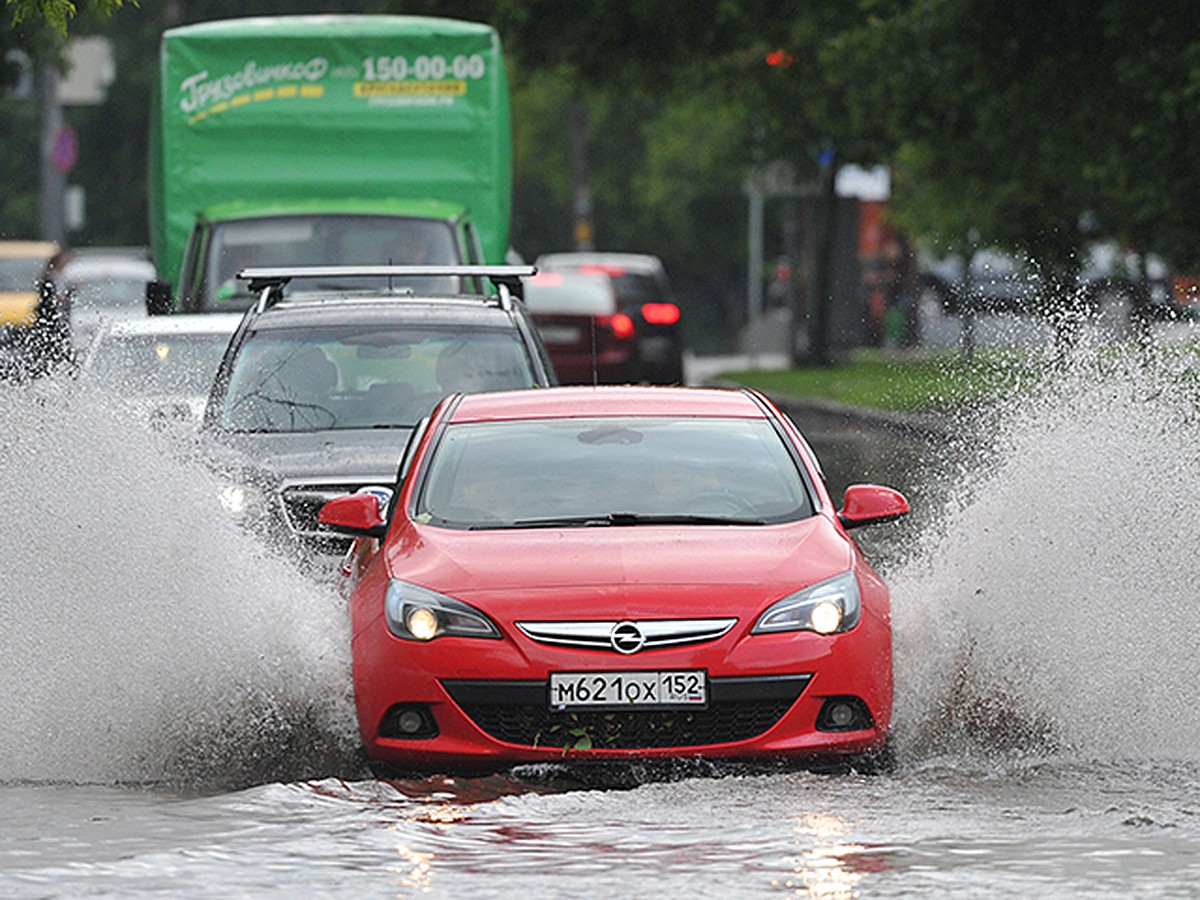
559 334
623 690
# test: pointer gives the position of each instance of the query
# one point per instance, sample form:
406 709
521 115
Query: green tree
54 13
1024 119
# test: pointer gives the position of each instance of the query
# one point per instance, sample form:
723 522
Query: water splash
1053 606
143 636
1050 606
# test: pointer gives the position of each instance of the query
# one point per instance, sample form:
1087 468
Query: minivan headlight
827 607
246 503
415 613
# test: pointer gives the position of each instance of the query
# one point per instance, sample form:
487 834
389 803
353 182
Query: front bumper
769 697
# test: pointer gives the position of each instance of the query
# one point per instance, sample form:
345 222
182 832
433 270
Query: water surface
178 715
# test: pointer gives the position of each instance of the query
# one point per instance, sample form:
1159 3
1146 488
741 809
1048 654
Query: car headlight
244 502
419 614
827 607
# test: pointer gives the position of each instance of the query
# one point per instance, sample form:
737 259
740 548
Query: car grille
518 712
627 637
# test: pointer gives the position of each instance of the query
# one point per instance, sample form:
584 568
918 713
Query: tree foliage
1035 127
55 13
1038 125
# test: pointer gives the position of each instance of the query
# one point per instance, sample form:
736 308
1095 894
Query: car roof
607 400
176 324
302 310
639 262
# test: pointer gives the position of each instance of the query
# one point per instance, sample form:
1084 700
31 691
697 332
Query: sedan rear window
612 471
583 295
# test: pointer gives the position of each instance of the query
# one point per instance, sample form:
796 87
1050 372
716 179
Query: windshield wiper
557 522
623 519
679 519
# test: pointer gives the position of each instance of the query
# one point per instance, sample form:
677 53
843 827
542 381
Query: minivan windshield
612 471
372 376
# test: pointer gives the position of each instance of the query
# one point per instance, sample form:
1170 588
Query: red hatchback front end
680 630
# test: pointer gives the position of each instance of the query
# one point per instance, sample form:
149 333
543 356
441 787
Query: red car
645 297
614 573
589 339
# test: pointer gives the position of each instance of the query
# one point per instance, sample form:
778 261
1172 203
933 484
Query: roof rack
270 281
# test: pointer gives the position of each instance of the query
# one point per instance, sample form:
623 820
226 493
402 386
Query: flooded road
1052 829
178 719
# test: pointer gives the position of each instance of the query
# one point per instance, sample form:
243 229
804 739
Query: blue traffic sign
66 149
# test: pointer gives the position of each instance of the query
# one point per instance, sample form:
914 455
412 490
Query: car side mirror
354 514
870 504
158 297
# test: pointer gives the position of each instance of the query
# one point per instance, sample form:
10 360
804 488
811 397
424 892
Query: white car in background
105 286
163 365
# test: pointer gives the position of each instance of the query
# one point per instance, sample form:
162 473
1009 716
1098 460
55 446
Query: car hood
18 307
353 455
496 563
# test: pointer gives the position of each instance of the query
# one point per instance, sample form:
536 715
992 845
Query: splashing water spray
1054 606
144 637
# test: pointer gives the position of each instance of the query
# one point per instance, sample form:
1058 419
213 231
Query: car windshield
327 241
21 273
152 365
363 376
612 471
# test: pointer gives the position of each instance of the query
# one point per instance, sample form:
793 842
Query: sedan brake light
619 324
660 313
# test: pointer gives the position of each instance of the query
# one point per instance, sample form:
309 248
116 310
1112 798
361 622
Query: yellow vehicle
34 311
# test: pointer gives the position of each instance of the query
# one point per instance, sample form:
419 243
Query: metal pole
582 201
821 336
53 180
754 266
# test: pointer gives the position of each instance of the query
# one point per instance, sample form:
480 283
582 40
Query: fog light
840 715
844 714
422 623
408 720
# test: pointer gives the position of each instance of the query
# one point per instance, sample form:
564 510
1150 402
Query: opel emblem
626 637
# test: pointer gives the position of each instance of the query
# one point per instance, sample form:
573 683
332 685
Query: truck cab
233 236
324 140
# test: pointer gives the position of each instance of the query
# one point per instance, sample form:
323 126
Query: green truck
324 140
